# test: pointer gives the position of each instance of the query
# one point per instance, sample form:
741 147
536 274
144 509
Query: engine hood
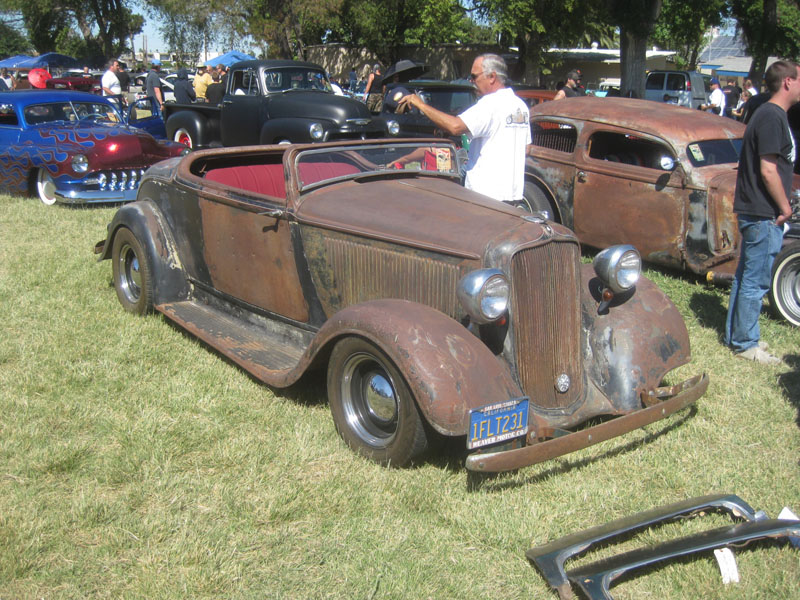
316 105
429 213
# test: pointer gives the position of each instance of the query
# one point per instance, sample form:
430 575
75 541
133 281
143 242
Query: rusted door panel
556 170
249 256
723 227
628 205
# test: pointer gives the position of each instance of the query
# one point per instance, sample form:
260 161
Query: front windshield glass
296 78
317 167
70 112
450 101
714 152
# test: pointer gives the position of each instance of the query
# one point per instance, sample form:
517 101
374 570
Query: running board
268 350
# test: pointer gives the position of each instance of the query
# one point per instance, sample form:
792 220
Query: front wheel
784 291
132 278
183 136
372 407
45 187
537 200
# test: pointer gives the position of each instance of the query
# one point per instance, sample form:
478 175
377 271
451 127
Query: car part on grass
595 579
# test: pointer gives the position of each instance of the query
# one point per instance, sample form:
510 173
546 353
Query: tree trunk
633 59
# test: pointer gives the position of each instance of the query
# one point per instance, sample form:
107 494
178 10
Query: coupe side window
554 135
245 83
629 149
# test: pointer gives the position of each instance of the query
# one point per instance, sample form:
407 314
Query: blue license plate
497 422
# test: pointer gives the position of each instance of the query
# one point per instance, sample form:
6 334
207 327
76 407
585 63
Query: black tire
372 407
537 201
784 290
132 275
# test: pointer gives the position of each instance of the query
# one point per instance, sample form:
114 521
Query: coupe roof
657 118
26 97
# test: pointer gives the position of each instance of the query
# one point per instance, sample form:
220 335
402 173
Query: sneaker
763 345
760 356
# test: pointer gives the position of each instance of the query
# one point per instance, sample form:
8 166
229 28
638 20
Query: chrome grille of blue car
118 179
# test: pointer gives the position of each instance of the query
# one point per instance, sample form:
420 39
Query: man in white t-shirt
498 124
716 101
110 82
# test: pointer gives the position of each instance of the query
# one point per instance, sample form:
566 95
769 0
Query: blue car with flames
75 147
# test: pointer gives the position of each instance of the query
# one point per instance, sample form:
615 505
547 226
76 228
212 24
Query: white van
685 88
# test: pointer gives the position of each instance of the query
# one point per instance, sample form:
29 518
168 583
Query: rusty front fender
449 370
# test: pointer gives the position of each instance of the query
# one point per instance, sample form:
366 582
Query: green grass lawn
137 463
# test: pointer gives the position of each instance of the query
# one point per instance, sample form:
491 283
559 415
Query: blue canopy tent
229 58
48 60
13 60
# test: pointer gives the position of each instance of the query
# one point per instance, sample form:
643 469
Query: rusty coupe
657 176
435 310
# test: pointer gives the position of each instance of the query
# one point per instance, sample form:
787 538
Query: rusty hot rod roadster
435 310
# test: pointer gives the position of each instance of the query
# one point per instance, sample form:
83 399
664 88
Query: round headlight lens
484 294
316 131
619 267
80 164
393 127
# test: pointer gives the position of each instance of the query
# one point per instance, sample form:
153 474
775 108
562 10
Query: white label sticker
727 565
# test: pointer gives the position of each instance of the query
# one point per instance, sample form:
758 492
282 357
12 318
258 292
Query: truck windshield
295 78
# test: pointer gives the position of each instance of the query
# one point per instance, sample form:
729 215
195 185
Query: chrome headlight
618 267
316 131
393 127
484 295
80 164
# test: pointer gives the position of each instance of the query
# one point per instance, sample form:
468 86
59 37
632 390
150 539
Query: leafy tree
682 27
769 27
12 42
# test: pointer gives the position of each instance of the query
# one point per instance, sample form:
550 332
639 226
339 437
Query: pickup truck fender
295 129
145 222
447 368
203 129
638 340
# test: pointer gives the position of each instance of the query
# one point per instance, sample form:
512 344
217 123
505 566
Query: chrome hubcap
130 277
369 400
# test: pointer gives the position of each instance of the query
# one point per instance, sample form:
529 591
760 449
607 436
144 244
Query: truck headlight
80 164
484 295
316 131
618 267
393 127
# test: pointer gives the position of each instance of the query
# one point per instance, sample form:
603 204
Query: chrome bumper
95 197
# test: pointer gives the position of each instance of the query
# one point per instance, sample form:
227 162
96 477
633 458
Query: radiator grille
364 273
547 322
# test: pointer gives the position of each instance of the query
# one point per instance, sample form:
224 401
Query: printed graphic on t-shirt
518 118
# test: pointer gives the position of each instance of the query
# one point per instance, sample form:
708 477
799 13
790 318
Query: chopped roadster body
436 310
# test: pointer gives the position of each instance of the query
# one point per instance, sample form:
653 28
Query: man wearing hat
570 89
716 102
202 79
153 84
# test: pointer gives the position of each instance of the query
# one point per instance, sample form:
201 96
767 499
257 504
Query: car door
551 160
239 236
144 114
241 117
627 192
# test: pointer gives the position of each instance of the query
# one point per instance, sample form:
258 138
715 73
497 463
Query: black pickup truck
272 102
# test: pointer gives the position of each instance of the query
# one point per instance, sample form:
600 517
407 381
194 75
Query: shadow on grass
498 482
710 311
790 383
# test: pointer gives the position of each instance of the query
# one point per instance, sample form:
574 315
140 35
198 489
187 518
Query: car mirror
667 162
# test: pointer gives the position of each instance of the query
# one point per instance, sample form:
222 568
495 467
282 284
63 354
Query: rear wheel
45 187
183 136
537 200
784 291
372 407
132 278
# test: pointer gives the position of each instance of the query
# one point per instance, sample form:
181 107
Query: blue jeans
761 242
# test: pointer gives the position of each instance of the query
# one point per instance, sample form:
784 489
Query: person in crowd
216 90
748 85
124 78
738 112
373 93
184 91
110 82
498 124
202 79
222 75
153 87
732 94
6 78
716 102
569 90
352 80
761 204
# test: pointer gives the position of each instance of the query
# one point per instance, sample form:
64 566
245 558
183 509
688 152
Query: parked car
73 147
684 88
784 291
434 309
76 81
272 101
532 97
451 98
662 180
